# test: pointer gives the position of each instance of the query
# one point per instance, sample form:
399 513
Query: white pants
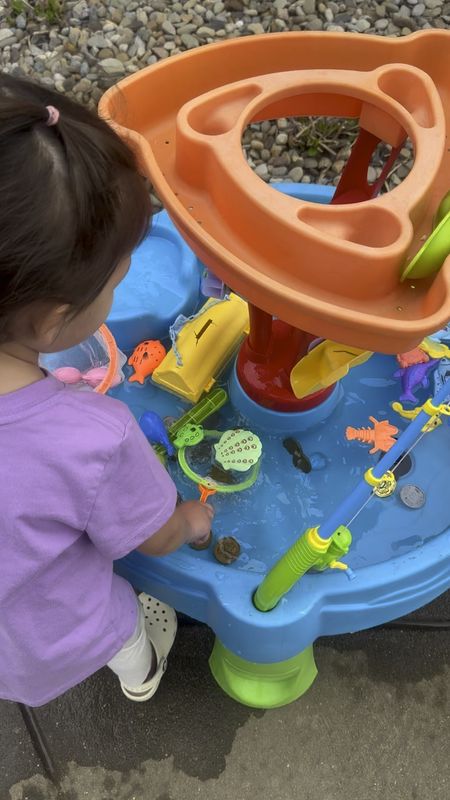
133 662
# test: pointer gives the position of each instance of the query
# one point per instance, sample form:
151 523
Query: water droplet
318 461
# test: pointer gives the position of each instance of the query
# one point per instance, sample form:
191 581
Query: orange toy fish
412 357
146 357
381 435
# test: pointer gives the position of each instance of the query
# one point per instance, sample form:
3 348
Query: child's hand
190 522
198 517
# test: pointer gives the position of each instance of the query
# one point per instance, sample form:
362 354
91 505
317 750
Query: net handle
111 346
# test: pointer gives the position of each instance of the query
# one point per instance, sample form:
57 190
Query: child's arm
190 522
134 502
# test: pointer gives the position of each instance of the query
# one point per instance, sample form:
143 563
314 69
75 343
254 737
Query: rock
7 37
81 10
168 27
160 52
112 66
279 172
381 24
142 17
282 138
262 171
98 41
255 28
363 25
105 52
296 174
205 32
21 22
325 162
338 166
83 86
402 22
189 41
283 160
418 10
309 6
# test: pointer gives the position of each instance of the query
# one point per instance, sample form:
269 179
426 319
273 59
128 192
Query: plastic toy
234 450
416 356
435 413
434 348
208 405
381 435
203 344
414 377
211 286
94 364
146 357
92 377
325 364
441 374
432 255
313 264
238 449
443 210
227 550
152 425
299 459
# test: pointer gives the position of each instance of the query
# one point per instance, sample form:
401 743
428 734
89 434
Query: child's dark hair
72 203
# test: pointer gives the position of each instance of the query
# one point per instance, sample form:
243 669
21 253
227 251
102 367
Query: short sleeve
135 498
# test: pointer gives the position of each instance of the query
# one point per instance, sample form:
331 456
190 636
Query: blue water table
301 385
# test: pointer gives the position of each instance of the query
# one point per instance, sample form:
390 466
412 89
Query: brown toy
203 544
227 550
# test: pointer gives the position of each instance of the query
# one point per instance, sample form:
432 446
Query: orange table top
331 270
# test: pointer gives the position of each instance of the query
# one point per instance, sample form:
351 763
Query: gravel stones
112 66
7 37
95 43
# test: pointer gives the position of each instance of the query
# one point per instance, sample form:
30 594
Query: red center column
265 362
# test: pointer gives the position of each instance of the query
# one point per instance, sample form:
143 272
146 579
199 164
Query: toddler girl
79 484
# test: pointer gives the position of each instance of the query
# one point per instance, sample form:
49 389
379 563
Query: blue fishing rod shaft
348 508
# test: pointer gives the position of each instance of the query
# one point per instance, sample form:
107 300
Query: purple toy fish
413 378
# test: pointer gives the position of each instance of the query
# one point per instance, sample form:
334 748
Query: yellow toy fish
325 364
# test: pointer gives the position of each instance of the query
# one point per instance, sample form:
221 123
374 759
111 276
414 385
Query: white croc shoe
161 625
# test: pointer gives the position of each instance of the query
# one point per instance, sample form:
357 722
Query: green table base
262 685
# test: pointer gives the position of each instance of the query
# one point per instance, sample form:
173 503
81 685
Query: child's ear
48 327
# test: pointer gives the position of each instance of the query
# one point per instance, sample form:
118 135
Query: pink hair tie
53 115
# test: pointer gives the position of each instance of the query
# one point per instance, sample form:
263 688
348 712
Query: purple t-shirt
79 487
